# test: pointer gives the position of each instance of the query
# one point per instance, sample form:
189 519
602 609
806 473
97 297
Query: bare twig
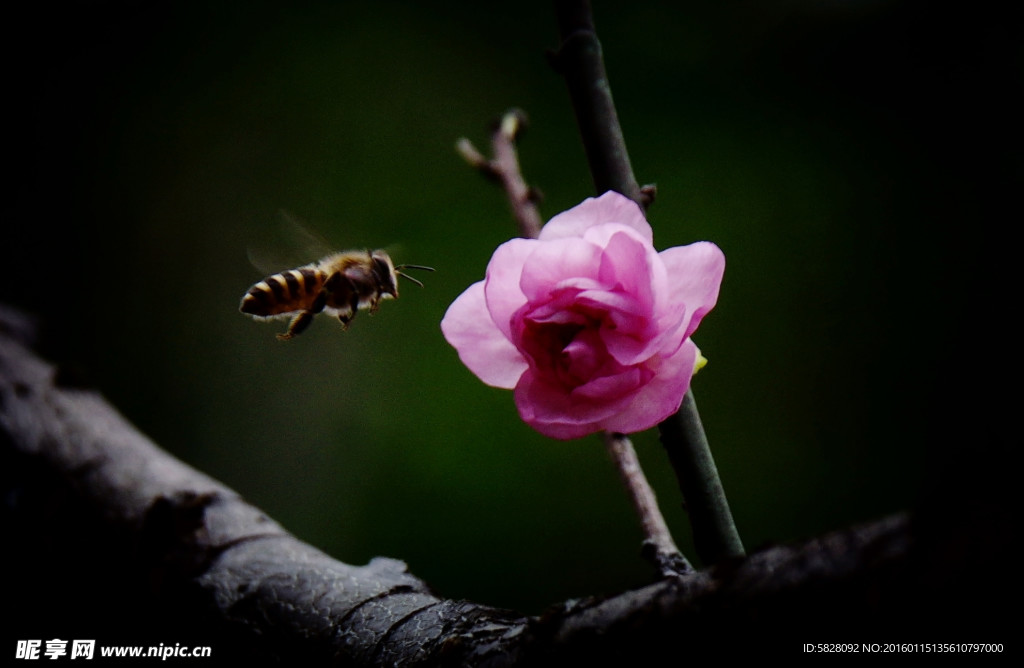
658 545
504 168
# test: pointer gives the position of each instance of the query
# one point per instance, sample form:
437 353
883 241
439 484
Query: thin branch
658 544
580 61
504 168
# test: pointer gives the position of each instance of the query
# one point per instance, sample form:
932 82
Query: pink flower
588 323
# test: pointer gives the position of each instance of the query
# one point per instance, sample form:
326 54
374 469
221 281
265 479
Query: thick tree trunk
107 536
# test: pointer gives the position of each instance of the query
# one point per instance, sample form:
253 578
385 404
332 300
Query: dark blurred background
852 159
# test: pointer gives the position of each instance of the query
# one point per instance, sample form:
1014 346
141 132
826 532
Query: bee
340 285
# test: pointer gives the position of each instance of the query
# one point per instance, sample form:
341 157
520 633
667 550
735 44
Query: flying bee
339 285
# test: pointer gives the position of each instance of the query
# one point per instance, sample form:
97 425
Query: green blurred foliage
825 146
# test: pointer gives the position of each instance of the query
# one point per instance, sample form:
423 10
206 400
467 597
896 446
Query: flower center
567 347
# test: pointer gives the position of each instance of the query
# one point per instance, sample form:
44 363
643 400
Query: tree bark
108 535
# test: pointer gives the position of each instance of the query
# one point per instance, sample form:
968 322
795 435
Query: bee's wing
287 243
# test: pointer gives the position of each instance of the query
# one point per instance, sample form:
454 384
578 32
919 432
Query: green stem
714 532
581 63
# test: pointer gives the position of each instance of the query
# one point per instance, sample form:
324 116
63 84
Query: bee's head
385 273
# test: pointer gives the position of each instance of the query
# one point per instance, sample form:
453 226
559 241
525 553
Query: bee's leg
353 308
298 325
301 321
318 304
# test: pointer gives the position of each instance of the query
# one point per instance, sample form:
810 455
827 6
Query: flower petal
555 262
629 263
501 286
694 278
482 347
552 411
660 397
610 207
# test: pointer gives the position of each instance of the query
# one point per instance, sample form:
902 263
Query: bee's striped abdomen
287 292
